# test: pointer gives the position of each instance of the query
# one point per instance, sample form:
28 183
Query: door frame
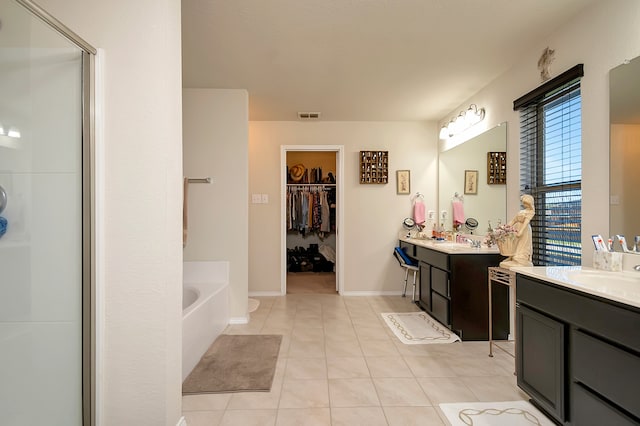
339 150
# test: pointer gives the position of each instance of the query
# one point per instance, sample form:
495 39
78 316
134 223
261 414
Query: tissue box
607 260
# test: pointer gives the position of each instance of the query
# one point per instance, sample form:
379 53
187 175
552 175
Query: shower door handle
3 199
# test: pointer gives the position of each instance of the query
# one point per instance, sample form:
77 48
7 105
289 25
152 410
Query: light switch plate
256 198
265 198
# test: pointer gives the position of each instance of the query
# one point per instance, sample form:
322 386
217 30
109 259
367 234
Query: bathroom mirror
624 147
488 202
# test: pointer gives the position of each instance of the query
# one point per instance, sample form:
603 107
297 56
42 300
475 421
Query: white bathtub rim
205 291
193 289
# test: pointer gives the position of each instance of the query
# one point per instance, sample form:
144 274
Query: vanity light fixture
472 116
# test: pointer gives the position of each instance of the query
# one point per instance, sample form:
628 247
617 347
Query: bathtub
205 309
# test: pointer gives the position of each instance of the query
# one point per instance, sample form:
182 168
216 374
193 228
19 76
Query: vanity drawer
440 281
588 409
608 370
440 309
408 248
433 257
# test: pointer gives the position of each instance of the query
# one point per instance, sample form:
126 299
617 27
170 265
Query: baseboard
238 320
344 293
372 293
182 422
264 293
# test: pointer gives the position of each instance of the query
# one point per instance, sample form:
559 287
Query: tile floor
311 282
341 365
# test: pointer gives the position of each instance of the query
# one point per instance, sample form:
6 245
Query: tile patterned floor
311 282
340 365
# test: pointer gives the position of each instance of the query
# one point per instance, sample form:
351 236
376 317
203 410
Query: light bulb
14 133
444 132
472 115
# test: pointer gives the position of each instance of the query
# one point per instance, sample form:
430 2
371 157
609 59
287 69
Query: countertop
623 287
448 247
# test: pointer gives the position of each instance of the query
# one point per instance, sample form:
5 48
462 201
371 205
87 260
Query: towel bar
199 180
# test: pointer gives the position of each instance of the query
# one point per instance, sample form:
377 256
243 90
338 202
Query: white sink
625 284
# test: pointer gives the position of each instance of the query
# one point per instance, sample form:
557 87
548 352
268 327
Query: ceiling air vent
308 115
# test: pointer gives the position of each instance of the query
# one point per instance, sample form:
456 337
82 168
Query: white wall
139 372
216 145
601 38
373 213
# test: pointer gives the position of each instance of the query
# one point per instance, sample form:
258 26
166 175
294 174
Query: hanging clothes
325 224
309 209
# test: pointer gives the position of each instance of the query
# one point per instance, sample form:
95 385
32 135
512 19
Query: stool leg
413 297
406 278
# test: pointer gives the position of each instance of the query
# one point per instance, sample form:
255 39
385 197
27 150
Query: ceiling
379 60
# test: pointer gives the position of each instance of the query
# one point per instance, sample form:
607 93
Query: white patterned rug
508 413
418 328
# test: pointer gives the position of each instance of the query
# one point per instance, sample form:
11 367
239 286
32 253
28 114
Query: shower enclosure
46 308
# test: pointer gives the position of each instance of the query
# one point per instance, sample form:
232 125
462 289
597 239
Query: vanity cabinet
435 297
577 355
453 289
540 359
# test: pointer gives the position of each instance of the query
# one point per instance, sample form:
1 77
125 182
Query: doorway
311 219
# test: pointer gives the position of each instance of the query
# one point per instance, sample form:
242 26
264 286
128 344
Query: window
551 166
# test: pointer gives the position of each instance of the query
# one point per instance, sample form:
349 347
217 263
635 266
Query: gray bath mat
235 363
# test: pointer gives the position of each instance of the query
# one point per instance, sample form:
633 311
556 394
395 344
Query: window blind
551 167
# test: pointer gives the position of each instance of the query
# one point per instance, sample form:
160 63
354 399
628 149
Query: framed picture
470 181
403 181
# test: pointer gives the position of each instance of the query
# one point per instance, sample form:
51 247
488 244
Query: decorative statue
544 62
524 248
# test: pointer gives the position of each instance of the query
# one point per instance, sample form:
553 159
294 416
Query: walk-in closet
311 207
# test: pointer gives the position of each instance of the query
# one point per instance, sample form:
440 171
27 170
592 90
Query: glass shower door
41 250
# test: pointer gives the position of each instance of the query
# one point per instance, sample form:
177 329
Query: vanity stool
409 265
507 277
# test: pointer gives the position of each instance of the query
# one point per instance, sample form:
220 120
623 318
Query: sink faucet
623 243
474 243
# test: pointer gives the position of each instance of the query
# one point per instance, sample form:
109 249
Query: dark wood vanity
453 289
578 355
